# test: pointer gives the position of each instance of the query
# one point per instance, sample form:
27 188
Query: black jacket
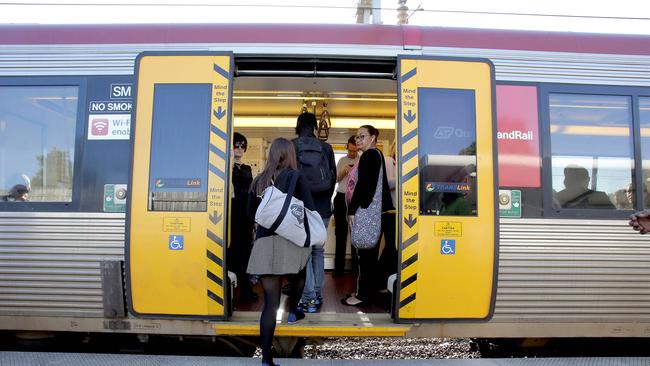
282 183
364 190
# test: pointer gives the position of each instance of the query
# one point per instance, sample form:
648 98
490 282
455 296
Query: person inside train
577 194
631 195
367 178
274 257
341 228
241 228
388 258
621 199
317 165
17 193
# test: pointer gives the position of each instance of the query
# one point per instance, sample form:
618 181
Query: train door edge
177 210
447 190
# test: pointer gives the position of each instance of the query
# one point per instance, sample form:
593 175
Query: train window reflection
178 178
644 117
447 152
37 139
591 151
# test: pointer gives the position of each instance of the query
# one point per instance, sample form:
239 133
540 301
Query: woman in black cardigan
369 166
273 256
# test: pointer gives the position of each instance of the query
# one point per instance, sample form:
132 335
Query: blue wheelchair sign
448 246
176 242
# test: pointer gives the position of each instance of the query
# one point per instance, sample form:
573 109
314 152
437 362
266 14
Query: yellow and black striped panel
432 284
409 173
188 282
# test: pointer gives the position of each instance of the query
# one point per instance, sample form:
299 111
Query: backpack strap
287 201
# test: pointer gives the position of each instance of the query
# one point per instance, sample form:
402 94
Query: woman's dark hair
306 123
352 140
372 131
282 155
238 137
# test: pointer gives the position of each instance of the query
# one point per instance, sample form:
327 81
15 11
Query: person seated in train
17 193
621 200
274 257
363 195
577 194
343 169
241 227
318 166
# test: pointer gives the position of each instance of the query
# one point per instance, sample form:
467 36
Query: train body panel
559 275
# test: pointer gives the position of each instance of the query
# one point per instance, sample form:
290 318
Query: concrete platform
93 359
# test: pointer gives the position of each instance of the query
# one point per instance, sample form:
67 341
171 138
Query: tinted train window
591 150
644 116
37 141
178 177
447 149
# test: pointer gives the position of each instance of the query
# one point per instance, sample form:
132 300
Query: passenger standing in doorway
317 165
388 257
368 171
241 227
343 169
274 257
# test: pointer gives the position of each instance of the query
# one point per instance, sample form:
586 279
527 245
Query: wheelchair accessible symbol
176 242
447 246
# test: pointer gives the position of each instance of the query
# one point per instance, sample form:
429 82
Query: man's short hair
239 138
306 122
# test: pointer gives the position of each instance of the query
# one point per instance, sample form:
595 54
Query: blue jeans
315 271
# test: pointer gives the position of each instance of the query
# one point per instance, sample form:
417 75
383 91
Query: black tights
272 285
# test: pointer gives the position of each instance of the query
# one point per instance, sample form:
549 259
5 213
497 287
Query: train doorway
189 105
268 96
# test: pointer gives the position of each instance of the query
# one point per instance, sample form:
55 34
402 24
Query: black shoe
286 289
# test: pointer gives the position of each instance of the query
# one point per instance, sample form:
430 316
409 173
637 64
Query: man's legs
315 275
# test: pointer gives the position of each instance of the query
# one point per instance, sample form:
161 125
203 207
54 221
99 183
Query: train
526 115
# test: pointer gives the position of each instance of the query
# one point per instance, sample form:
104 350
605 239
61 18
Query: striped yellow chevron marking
188 282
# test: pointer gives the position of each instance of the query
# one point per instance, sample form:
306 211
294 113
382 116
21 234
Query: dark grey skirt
276 255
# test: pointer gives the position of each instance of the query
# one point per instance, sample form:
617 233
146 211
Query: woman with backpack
367 183
273 256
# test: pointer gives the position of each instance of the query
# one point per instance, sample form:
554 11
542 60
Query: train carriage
91 250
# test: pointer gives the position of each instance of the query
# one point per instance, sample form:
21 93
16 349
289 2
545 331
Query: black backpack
314 164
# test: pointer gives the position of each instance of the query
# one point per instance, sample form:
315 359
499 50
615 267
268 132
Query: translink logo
515 135
443 132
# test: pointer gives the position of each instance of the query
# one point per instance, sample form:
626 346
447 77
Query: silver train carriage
568 107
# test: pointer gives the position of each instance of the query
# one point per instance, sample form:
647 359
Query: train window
591 150
37 142
644 118
178 176
447 149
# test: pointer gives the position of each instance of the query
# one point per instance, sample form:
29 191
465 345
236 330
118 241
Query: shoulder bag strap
287 201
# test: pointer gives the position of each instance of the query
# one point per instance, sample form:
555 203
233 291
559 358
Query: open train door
178 207
447 222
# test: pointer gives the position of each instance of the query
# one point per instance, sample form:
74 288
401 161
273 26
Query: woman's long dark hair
282 155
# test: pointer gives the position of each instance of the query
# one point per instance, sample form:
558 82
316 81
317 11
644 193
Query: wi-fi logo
99 126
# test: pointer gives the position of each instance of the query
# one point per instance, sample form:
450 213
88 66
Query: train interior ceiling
267 98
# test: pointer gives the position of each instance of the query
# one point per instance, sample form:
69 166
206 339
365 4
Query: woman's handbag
287 216
366 228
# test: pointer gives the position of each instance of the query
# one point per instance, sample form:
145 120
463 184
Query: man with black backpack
317 165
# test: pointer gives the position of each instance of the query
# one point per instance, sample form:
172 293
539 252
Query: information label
509 203
109 126
448 228
177 224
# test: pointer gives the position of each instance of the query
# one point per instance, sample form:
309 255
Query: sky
595 16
